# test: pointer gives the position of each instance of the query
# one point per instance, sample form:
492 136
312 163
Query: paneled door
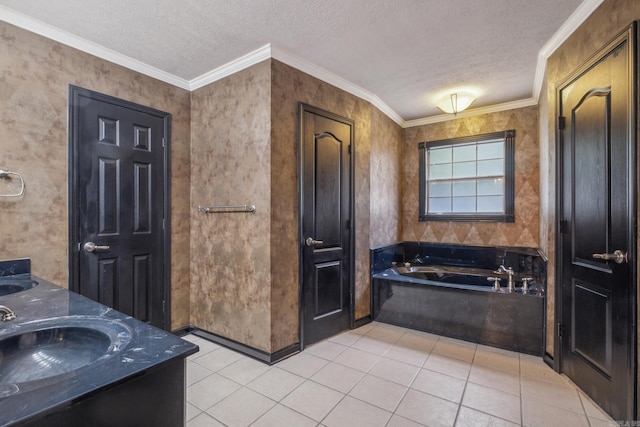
326 224
119 204
597 227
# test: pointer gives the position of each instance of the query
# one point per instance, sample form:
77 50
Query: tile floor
382 375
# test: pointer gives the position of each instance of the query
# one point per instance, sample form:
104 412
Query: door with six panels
119 204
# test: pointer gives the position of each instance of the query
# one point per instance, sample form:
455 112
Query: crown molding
529 102
246 61
68 39
335 80
586 8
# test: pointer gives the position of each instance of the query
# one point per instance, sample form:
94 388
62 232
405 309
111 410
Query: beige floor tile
280 416
192 411
205 346
395 371
206 393
244 370
418 340
357 359
468 417
302 364
449 366
364 328
398 421
492 402
595 422
546 393
503 362
388 333
454 348
427 409
204 420
549 416
534 367
355 413
313 400
345 338
218 359
338 377
440 385
241 408
372 345
196 372
276 383
592 410
326 350
407 355
495 379
381 393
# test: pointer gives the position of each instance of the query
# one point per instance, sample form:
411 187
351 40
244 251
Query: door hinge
164 143
163 223
561 123
349 149
560 329
164 306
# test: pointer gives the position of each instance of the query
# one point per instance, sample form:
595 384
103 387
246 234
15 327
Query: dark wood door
119 168
597 226
326 217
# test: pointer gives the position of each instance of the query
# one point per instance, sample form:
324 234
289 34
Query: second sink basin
12 286
55 347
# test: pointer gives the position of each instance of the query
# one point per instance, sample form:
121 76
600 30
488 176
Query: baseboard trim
362 321
548 359
263 356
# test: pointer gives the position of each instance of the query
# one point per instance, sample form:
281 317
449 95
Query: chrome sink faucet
509 271
6 313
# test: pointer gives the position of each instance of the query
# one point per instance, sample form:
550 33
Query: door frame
75 94
302 108
629 34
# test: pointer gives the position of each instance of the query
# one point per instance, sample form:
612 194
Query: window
468 179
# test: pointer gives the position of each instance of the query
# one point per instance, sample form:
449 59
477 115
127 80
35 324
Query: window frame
509 179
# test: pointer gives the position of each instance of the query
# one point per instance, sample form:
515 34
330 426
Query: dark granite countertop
138 347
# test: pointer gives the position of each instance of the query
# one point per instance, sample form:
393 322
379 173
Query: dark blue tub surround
470 310
145 350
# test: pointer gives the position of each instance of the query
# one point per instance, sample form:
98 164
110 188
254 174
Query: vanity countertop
140 348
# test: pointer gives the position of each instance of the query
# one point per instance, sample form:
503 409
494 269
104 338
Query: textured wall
604 23
231 165
386 179
34 76
525 230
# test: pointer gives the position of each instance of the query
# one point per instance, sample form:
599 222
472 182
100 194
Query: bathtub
457 277
458 301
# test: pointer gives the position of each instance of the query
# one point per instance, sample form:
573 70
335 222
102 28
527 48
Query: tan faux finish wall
612 17
231 165
525 230
386 180
291 86
35 74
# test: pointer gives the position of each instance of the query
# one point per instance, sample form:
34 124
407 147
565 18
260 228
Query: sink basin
12 286
43 350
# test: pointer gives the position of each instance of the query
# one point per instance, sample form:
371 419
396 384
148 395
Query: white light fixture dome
456 102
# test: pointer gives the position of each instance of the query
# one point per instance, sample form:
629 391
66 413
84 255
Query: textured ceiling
407 52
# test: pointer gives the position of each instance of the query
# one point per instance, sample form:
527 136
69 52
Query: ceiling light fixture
456 102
